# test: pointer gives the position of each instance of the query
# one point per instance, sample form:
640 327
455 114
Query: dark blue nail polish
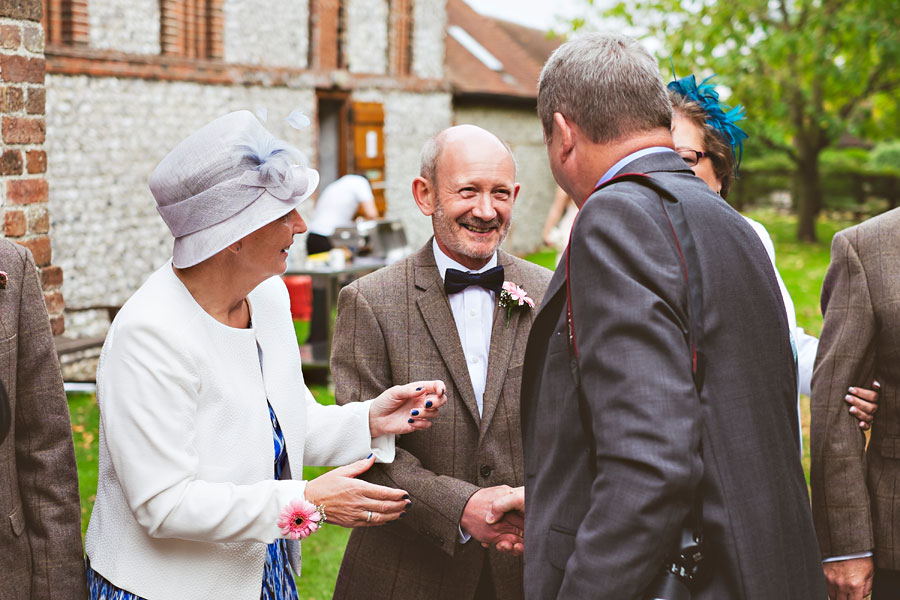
405 497
415 413
418 389
369 456
402 515
428 404
408 504
410 420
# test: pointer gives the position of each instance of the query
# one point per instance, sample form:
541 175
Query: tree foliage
808 71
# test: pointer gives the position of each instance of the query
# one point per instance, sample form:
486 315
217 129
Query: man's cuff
845 557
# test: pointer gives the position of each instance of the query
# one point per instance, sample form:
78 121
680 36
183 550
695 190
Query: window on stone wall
400 38
66 22
192 28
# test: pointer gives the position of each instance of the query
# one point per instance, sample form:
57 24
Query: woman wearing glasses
707 138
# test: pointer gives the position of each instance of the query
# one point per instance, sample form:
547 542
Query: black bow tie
456 280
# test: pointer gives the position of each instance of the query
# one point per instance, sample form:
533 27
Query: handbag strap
690 264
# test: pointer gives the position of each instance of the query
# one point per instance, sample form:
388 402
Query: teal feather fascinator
721 117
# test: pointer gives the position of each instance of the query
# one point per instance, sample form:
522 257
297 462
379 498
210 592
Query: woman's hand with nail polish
406 408
863 404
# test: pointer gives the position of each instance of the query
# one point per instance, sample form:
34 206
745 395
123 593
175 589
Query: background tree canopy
808 71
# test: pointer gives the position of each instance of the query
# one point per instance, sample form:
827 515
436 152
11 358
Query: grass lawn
802 267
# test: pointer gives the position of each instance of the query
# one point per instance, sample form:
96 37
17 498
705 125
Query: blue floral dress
278 580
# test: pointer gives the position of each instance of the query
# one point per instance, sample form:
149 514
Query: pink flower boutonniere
3 279
300 519
512 296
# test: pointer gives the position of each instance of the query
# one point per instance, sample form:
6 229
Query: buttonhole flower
512 296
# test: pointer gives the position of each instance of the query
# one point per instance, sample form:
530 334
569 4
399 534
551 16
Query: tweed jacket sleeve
45 457
361 369
840 499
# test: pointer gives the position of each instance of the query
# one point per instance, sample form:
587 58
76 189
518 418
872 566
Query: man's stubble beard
443 225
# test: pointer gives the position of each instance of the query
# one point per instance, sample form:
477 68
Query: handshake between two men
504 522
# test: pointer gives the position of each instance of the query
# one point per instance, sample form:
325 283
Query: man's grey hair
605 83
431 153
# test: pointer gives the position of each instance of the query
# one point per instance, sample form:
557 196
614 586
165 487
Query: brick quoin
34 38
12 99
11 162
26 191
39 221
10 37
19 130
54 301
36 161
14 223
57 324
51 277
37 99
40 249
19 68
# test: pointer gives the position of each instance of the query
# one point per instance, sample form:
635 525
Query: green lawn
802 266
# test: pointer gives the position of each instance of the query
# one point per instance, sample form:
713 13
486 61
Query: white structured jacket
186 500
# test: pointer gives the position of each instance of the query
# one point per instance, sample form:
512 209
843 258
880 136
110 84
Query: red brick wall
192 28
399 34
23 161
66 22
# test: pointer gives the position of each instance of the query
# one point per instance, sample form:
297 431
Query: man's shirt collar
444 262
633 156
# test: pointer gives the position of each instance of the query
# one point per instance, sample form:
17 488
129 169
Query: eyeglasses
691 157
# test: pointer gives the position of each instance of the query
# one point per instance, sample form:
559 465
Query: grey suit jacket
395 326
40 536
856 504
607 536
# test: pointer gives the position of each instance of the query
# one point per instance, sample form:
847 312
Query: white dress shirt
473 312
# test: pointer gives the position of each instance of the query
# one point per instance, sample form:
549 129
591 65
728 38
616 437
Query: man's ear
423 192
515 192
566 134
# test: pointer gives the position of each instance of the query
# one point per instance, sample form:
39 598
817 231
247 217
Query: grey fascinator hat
226 180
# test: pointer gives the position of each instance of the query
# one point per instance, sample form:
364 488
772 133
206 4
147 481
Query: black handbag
687 568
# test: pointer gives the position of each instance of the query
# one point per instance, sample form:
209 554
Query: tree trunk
808 191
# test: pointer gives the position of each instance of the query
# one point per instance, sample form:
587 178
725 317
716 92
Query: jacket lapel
435 309
502 340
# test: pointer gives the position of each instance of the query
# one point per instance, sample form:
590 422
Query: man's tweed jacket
855 497
395 326
40 535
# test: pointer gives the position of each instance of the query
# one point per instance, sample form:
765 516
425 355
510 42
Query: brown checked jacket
40 536
856 505
395 326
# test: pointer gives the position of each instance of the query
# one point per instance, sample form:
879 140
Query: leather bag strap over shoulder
690 262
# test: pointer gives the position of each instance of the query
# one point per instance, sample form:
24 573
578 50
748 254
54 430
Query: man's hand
849 579
510 508
474 518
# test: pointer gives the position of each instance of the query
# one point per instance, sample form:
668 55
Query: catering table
317 355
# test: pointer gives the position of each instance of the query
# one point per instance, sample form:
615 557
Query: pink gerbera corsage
3 279
299 519
512 296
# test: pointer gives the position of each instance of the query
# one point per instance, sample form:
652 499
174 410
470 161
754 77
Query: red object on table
300 290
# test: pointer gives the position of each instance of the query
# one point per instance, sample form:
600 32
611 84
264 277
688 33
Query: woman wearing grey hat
202 398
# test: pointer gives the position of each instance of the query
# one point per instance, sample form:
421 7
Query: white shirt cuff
847 557
383 446
463 536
